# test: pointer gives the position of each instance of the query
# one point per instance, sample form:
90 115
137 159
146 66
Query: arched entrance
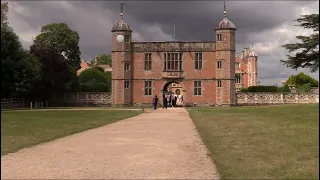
174 91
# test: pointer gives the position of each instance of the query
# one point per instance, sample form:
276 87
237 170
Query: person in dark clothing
165 103
173 100
155 102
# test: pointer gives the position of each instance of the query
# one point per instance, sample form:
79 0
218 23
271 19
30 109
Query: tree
19 68
55 72
4 11
102 59
308 51
64 40
300 80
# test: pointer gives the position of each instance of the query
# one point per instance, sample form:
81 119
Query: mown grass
275 142
20 129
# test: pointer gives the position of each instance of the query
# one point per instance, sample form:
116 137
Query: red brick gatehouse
206 70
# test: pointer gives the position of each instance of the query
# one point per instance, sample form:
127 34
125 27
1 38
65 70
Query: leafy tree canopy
19 68
63 39
307 50
4 11
301 79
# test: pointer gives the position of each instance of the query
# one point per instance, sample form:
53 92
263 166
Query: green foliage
95 80
95 87
304 88
4 12
301 79
99 68
284 88
92 74
103 59
19 68
260 89
308 51
63 39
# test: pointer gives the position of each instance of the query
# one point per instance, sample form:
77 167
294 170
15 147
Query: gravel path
158 145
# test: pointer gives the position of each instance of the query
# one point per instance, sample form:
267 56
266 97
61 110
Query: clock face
120 38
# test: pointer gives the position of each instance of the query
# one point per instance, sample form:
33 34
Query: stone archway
169 86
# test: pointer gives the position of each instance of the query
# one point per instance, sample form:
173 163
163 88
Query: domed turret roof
121 26
226 24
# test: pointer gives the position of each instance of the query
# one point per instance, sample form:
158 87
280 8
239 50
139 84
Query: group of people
169 100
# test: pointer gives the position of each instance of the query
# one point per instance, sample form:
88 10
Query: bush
93 74
261 89
99 68
95 87
304 87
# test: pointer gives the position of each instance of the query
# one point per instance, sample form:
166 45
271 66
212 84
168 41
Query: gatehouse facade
205 72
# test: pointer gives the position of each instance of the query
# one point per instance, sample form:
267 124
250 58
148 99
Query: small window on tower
237 65
219 37
219 83
127 66
126 38
219 64
126 84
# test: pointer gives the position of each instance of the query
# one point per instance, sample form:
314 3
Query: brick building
208 72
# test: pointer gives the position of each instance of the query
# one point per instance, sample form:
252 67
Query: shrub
95 87
92 74
99 68
261 89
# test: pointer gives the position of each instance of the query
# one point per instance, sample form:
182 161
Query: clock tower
122 90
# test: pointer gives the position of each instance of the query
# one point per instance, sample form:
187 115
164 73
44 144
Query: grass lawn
20 129
271 142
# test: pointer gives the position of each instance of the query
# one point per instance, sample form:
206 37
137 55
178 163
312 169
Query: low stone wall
83 99
243 98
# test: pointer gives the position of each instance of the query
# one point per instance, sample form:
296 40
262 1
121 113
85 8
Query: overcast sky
266 24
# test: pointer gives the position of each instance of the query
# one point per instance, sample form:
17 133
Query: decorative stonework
84 99
173 46
275 98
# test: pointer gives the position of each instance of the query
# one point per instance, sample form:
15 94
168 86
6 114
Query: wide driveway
161 144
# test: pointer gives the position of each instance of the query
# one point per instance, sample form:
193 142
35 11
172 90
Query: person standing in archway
164 99
155 102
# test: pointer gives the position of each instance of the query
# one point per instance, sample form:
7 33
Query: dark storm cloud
257 22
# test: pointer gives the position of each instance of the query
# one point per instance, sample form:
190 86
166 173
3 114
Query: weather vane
225 9
121 5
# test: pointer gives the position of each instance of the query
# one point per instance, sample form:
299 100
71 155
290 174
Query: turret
225 56
121 62
252 68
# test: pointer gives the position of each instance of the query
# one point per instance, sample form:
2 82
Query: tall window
126 38
219 37
219 64
197 88
148 88
238 78
219 83
127 66
147 61
126 84
173 61
198 61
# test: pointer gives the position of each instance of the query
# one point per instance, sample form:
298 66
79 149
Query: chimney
96 58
